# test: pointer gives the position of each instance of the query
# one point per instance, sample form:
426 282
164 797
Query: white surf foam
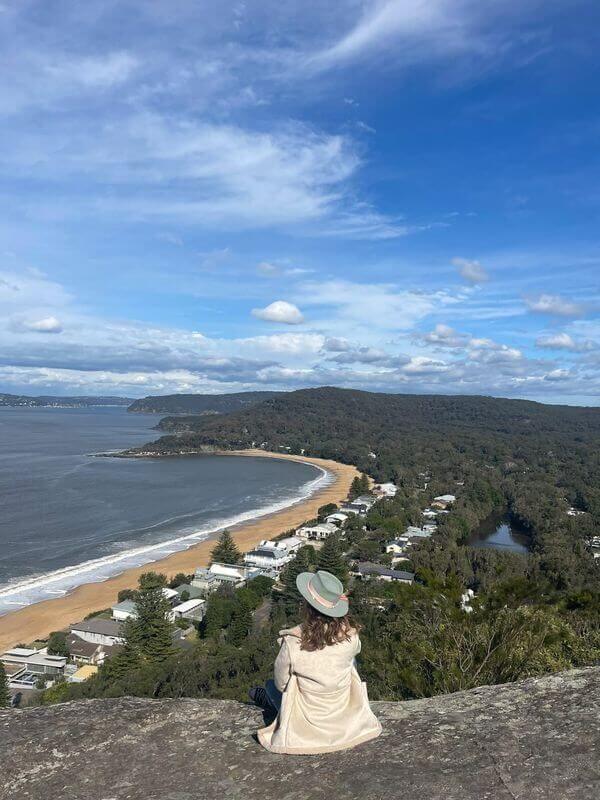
62 581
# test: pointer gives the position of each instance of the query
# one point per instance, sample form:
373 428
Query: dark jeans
273 694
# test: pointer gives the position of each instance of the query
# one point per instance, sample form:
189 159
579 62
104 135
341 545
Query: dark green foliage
198 404
288 600
57 644
149 635
241 621
331 559
184 596
326 510
179 579
359 486
225 551
4 690
126 594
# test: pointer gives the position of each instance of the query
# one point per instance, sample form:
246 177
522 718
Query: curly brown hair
319 631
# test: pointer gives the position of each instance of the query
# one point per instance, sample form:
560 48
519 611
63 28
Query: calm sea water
68 518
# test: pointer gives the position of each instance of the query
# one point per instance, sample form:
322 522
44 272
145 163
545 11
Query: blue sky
209 196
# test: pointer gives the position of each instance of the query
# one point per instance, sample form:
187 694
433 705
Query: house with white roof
387 489
273 555
318 532
235 575
193 610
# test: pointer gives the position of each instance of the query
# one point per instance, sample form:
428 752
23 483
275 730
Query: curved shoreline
37 620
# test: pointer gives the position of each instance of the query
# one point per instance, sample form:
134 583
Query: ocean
67 517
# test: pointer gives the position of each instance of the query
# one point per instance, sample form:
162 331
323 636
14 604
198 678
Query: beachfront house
443 501
192 610
99 631
337 519
123 610
273 555
360 505
28 659
368 569
317 532
235 575
82 652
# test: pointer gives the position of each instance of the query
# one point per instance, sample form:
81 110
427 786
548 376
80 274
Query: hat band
327 603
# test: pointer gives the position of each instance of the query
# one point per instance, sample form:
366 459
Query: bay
67 517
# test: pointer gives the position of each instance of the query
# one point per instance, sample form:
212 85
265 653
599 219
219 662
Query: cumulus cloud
563 341
280 311
471 271
555 305
44 325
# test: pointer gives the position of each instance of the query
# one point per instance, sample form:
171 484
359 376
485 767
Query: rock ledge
536 739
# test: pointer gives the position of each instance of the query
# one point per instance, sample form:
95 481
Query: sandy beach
36 621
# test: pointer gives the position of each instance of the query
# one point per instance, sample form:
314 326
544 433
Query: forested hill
199 403
541 458
349 424
52 401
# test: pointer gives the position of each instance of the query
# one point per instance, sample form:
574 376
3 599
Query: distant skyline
391 195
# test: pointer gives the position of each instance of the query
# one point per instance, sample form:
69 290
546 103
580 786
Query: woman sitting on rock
320 700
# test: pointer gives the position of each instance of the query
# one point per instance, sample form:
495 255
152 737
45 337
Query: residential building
123 610
83 673
319 531
235 575
387 489
193 610
368 569
443 501
98 630
413 532
338 519
29 660
192 591
267 555
396 546
82 652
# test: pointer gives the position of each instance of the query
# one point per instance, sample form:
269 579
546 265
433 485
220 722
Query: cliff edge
535 739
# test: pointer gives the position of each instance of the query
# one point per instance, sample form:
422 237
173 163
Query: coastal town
75 655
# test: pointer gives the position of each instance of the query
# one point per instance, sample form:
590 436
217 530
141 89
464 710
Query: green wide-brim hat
324 592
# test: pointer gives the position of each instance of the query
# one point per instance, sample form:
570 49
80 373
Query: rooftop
107 627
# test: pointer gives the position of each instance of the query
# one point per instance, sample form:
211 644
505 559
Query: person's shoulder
294 633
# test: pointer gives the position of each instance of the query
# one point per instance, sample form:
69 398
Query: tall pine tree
288 600
225 551
149 635
240 624
4 690
332 560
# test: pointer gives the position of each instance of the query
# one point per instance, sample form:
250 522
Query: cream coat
325 705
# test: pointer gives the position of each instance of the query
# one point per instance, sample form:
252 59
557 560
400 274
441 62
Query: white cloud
563 341
470 270
102 71
555 305
44 325
385 22
280 311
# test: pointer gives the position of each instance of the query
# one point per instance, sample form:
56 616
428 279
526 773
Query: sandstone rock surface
538 739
